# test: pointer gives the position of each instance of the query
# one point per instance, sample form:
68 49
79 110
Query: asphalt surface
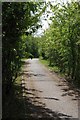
47 93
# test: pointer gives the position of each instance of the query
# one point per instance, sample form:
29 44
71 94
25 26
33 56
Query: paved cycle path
48 90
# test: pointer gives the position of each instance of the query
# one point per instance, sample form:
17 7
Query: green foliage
19 20
31 46
61 42
12 17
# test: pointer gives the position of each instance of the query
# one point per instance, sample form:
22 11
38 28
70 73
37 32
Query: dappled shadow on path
37 110
40 112
24 107
21 107
69 89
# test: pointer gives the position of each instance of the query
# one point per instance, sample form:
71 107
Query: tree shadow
19 107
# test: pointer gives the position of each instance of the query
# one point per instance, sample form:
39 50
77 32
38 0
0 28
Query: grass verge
61 75
51 68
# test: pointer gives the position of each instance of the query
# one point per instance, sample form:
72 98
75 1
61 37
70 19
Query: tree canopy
20 20
60 44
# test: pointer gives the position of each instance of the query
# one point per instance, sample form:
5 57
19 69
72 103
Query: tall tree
61 41
19 19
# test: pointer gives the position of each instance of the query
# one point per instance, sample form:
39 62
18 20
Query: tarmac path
49 96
